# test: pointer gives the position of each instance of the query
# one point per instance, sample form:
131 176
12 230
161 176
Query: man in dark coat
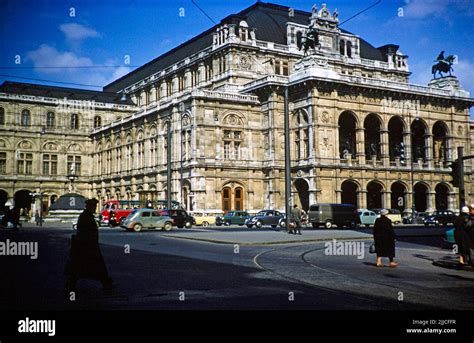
86 261
296 218
384 238
462 228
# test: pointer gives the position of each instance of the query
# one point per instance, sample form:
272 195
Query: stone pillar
362 198
430 201
202 73
188 78
338 195
453 201
386 199
408 147
384 148
360 145
429 150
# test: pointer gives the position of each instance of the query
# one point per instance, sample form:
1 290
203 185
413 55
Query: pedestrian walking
86 261
462 231
384 238
296 219
37 218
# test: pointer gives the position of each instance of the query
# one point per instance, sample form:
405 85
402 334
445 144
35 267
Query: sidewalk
268 238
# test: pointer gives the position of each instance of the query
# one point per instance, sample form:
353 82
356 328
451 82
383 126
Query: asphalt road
156 271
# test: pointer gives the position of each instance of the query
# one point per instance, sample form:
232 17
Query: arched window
50 120
349 49
74 121
97 122
25 118
2 116
342 47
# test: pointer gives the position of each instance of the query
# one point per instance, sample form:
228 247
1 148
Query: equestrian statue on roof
443 65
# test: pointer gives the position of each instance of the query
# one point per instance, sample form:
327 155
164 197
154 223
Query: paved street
235 268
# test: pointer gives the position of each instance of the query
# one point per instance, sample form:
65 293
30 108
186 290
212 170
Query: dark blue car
266 217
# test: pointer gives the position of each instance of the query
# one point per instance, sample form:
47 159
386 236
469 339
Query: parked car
232 218
444 218
419 218
329 214
180 217
393 214
204 219
367 217
145 218
265 217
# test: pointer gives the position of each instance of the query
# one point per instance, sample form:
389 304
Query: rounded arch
25 117
300 117
25 144
396 128
23 200
349 192
440 133
76 147
4 143
421 190
372 128
234 118
233 196
442 191
398 196
419 131
50 146
348 123
301 186
374 194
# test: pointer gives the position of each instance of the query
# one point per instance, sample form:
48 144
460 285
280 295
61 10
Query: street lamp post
287 158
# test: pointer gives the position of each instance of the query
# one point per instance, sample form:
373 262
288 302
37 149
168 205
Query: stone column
429 150
362 198
360 145
386 199
408 147
452 201
338 195
384 148
430 201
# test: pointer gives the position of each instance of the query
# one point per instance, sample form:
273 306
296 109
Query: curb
265 243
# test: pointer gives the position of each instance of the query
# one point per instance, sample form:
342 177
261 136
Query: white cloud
419 9
464 71
77 32
48 56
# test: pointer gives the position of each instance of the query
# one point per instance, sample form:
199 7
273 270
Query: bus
114 211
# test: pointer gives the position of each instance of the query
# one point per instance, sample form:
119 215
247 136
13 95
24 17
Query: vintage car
232 218
367 217
437 218
145 218
265 217
204 219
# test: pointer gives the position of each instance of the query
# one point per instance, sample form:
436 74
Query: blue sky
43 33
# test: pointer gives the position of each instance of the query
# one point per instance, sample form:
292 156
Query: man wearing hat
384 238
462 228
86 261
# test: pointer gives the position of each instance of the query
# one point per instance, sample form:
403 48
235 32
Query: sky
72 40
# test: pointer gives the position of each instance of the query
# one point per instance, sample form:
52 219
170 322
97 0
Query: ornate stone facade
360 132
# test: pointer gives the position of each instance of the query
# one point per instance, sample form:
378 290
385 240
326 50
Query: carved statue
443 65
309 40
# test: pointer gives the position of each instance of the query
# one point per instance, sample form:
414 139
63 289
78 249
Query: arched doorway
349 193
398 196
441 196
440 146
419 131
23 201
372 126
395 139
3 200
302 188
374 195
226 199
347 135
238 199
421 197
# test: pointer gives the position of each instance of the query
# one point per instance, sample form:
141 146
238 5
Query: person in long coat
462 231
296 218
384 238
86 261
